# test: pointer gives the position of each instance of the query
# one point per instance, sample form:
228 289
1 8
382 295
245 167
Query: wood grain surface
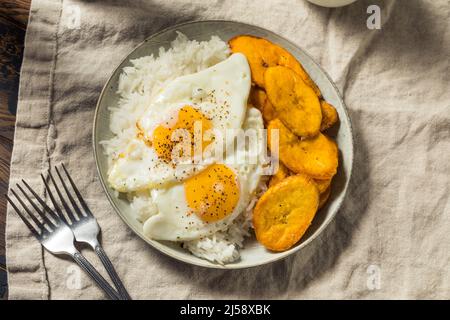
13 21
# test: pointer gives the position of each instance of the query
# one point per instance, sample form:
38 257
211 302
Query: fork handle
97 277
112 272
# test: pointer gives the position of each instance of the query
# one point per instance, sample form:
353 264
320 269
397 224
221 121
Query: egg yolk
162 140
213 193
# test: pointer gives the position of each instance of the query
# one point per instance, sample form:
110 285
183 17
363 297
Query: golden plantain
262 54
316 157
329 115
285 211
295 104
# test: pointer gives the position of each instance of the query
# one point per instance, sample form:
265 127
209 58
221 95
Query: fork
54 235
82 222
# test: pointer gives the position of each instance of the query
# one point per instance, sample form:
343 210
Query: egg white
172 221
219 92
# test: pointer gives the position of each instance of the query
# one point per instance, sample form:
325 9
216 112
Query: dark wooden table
13 22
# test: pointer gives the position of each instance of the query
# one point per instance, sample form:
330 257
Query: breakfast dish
222 148
208 205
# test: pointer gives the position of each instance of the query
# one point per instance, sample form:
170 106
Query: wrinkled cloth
391 238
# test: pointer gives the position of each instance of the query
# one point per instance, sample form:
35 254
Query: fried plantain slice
280 175
269 111
329 115
283 172
258 98
295 104
324 197
262 54
284 212
322 184
316 157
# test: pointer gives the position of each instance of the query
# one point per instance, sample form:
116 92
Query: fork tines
48 221
77 212
49 218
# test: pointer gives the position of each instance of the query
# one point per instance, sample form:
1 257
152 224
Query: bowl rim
209 264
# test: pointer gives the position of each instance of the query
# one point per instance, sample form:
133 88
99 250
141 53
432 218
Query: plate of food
222 144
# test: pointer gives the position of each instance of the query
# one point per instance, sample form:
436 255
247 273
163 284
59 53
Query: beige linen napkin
391 239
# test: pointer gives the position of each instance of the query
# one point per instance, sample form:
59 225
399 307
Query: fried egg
215 98
210 200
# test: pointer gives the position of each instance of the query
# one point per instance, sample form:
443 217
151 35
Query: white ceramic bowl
253 254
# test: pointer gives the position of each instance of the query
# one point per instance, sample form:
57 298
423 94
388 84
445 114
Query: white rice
137 84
